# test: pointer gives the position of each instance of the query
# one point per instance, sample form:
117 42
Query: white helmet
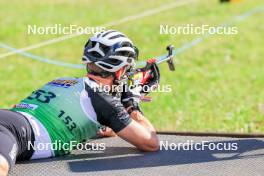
110 50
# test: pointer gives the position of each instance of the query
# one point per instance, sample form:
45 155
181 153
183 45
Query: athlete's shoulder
90 83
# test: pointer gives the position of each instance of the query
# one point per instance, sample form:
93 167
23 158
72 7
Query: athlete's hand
151 76
131 99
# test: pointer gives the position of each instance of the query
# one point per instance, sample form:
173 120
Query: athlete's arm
106 132
140 133
133 132
135 129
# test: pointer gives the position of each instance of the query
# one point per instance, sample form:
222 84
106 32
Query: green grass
218 84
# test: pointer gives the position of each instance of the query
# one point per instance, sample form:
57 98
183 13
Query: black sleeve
109 110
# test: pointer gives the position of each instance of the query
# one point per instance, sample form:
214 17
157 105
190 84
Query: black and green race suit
72 109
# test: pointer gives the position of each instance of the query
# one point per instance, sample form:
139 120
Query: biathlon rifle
139 76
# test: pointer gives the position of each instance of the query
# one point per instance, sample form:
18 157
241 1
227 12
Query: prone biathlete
75 109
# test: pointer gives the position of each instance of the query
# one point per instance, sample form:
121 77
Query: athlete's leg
8 150
4 166
41 137
15 131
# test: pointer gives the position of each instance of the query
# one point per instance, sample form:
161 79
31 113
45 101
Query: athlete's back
63 107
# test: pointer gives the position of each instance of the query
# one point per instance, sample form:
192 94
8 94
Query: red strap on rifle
146 74
151 61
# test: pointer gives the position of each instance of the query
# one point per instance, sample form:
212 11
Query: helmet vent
114 62
116 36
122 53
90 44
104 48
95 54
108 33
105 66
93 44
